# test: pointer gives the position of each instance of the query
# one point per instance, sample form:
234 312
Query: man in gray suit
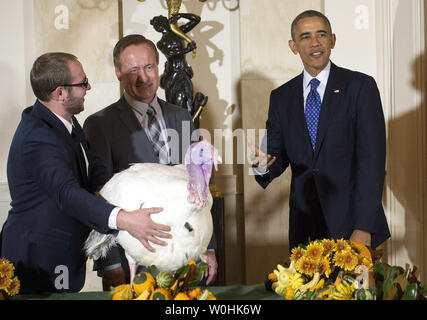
121 134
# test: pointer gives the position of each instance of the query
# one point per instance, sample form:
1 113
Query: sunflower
342 245
6 268
14 286
324 267
307 266
314 251
328 246
346 259
4 282
297 253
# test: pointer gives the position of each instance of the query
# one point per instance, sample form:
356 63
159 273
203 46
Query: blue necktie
312 111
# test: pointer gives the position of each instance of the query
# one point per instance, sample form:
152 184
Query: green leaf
379 269
153 271
180 273
201 268
411 292
388 284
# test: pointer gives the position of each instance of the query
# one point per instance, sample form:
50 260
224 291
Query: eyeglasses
83 84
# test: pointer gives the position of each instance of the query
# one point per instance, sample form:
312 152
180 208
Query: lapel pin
337 91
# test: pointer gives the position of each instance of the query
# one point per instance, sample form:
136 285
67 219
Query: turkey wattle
183 193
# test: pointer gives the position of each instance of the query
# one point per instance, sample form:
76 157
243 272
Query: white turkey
183 193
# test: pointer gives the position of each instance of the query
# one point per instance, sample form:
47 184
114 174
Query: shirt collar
322 76
142 107
66 123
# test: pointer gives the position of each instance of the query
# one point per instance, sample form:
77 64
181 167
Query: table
234 292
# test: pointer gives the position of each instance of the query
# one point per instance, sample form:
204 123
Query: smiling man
52 175
120 134
327 124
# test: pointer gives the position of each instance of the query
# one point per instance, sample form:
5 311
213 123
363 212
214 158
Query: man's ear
333 40
118 74
58 94
293 46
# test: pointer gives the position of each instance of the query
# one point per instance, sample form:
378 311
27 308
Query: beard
74 105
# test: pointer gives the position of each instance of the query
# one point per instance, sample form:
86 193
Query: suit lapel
129 120
330 104
169 117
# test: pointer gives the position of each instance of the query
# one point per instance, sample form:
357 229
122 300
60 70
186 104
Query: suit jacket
52 210
116 136
343 177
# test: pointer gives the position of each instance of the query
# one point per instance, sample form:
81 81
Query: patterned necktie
79 155
154 132
312 111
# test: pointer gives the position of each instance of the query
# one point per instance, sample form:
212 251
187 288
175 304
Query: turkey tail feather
97 244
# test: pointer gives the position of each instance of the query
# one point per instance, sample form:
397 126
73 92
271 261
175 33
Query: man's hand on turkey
140 225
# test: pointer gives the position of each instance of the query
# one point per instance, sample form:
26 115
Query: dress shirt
322 77
140 109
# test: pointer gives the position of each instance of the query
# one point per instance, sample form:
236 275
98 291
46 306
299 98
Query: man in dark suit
119 134
331 132
52 175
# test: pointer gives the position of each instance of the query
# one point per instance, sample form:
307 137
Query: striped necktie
154 132
312 111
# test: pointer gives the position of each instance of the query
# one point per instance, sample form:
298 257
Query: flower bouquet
342 270
9 284
161 285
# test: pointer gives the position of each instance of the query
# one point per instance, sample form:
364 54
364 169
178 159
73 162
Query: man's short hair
129 40
308 14
49 71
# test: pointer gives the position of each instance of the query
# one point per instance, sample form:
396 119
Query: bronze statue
177 75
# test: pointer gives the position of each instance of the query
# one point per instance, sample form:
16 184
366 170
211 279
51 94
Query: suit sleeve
370 157
50 164
273 144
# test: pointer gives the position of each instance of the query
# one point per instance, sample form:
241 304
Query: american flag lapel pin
337 91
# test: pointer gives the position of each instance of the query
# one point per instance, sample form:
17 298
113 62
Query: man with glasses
120 133
52 175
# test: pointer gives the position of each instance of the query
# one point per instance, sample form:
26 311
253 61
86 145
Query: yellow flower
297 253
296 280
346 259
14 286
342 245
289 293
324 267
4 282
328 246
6 268
314 251
307 266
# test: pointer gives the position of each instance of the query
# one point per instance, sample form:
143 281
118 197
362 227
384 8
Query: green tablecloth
235 292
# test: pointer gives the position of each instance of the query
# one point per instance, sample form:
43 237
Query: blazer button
315 171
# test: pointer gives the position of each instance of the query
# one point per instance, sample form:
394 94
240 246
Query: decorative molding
390 59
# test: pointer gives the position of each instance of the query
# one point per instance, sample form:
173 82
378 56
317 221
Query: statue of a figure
177 75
